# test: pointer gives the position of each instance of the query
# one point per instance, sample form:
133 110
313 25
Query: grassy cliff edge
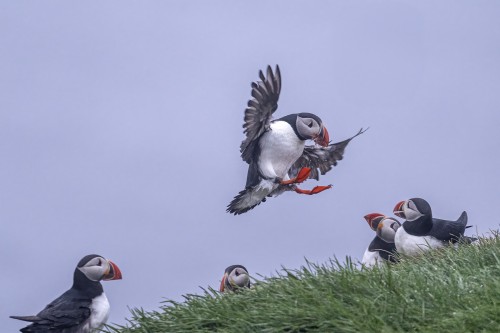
448 290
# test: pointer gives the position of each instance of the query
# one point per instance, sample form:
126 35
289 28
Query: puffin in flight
421 232
235 277
84 308
275 149
382 247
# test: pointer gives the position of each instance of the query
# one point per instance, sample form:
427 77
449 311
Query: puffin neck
384 248
89 287
420 227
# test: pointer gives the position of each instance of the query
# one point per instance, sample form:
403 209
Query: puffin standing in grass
84 308
382 247
275 149
421 232
235 277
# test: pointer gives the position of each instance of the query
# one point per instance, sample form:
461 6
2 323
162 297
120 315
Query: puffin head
412 209
96 268
235 277
310 127
374 219
386 229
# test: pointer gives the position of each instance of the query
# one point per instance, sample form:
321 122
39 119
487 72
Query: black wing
449 231
259 112
67 311
321 159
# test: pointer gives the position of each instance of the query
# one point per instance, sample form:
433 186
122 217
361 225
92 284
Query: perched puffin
275 149
84 308
421 232
382 247
235 277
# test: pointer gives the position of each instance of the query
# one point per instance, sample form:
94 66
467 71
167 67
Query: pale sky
120 126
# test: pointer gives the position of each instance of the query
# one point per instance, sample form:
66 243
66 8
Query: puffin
84 308
235 277
275 150
421 232
382 247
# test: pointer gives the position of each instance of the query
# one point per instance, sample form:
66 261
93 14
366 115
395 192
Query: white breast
414 245
371 259
279 149
99 312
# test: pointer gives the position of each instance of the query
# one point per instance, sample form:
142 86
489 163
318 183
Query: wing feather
260 109
321 159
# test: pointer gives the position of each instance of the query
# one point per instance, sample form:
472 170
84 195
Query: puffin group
278 161
419 232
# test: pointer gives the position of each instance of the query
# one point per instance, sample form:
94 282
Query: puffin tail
463 219
247 199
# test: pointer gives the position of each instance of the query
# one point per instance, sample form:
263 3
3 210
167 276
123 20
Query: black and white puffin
421 232
84 308
382 247
235 277
275 149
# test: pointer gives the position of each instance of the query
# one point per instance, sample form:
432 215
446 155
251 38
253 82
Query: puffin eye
99 263
310 124
236 273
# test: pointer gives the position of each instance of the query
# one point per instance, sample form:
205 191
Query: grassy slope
450 290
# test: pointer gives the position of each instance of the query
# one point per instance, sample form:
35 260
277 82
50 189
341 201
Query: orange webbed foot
315 190
301 176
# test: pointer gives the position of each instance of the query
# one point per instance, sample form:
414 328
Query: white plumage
99 312
371 259
279 149
413 245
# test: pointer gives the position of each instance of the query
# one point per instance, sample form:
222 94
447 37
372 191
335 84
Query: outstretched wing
321 159
259 112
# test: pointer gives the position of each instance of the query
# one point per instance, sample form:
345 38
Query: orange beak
222 283
398 209
323 139
114 272
370 219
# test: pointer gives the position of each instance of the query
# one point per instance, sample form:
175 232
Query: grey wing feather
449 230
64 312
259 112
27 318
321 159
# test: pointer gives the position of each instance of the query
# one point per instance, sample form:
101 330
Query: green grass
448 290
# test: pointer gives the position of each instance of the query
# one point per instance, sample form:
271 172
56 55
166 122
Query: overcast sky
120 126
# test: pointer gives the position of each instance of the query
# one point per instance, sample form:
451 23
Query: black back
385 250
67 312
426 225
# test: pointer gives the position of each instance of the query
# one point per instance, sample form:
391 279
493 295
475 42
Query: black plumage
427 225
71 312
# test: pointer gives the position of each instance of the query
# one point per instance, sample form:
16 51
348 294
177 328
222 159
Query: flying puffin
235 277
84 308
382 247
275 149
421 232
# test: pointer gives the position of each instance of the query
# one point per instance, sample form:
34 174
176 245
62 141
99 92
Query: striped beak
114 272
323 139
398 209
223 283
374 219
